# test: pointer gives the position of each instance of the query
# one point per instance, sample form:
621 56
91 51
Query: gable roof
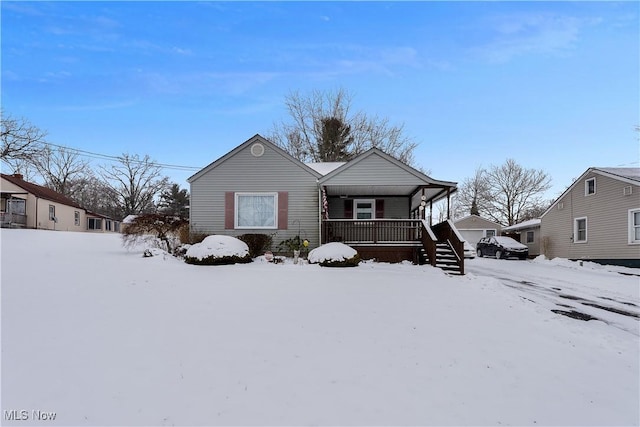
627 175
377 152
476 217
622 174
41 192
253 140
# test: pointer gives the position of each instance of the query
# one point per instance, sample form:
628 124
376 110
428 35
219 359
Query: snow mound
218 246
585 265
331 252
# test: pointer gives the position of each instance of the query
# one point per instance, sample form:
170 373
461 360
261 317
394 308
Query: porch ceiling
378 190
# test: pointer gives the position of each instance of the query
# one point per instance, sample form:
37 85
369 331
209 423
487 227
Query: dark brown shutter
229 209
379 208
283 210
348 208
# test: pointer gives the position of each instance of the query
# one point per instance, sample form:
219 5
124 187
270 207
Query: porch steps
445 258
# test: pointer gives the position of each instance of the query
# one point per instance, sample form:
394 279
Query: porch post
448 202
430 212
319 214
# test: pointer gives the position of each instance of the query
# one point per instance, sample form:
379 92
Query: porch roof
375 173
430 191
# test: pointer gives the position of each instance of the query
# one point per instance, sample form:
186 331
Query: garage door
472 236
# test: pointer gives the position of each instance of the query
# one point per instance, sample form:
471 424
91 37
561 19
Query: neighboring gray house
374 202
474 228
597 218
527 233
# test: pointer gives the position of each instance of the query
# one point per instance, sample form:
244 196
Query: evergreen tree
175 201
334 140
474 207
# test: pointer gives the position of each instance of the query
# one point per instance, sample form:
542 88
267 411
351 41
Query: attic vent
560 206
257 150
627 190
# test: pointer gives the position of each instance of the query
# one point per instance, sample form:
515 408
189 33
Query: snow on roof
525 224
631 173
129 219
325 168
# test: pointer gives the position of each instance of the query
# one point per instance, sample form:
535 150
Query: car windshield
508 241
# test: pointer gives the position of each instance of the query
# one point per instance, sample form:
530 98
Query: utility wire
100 156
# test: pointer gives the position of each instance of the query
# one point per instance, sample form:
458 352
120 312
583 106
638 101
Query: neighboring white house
474 228
597 218
24 204
28 205
527 233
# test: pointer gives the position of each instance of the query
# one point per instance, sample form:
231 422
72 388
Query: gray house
527 233
473 228
597 218
374 203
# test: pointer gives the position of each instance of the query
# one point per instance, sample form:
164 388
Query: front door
364 209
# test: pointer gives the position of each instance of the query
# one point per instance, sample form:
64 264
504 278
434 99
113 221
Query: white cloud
522 34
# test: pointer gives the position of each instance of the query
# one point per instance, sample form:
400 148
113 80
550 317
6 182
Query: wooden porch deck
394 240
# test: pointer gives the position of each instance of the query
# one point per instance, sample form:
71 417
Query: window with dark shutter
348 208
379 208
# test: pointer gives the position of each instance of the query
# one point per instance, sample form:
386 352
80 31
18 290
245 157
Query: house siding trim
632 227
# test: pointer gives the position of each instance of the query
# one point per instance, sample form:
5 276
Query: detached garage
473 228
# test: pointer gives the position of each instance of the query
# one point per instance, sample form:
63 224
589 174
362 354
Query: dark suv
501 247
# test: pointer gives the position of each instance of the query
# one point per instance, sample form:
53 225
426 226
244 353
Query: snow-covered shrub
258 243
218 250
163 227
334 254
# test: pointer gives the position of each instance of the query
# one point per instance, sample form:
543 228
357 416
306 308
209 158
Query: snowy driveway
569 288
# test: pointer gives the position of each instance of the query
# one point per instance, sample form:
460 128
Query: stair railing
447 232
429 241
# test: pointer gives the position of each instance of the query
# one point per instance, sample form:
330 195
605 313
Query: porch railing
12 220
371 231
446 232
429 241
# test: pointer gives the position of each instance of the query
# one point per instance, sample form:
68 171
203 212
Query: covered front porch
13 209
385 210
390 223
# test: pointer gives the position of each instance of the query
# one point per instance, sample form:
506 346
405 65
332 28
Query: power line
100 156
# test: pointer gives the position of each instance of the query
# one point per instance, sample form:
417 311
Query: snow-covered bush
218 250
164 227
334 254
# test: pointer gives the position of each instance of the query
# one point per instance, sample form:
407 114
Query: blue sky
553 85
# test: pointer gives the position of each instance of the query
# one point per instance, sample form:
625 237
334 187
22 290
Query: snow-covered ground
100 335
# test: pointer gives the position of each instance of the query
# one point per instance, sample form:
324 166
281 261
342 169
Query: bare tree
304 136
20 139
23 167
59 167
92 193
471 195
136 182
506 194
